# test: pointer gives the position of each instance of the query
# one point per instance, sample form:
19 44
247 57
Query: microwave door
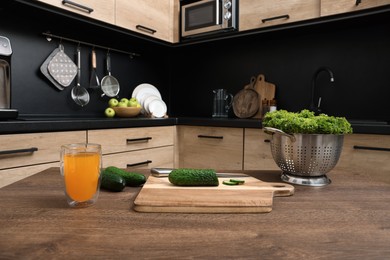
201 17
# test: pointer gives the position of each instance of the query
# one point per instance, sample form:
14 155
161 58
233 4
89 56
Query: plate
147 101
142 86
146 92
157 108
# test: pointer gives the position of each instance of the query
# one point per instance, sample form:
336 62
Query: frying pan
79 94
109 84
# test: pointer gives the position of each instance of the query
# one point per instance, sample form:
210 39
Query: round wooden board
246 103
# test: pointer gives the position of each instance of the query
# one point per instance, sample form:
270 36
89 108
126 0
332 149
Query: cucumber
112 182
193 177
131 178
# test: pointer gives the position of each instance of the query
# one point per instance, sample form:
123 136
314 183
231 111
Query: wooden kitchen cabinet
138 147
255 14
102 10
158 19
359 155
210 147
22 155
330 7
257 151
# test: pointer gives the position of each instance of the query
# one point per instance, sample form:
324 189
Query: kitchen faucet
317 108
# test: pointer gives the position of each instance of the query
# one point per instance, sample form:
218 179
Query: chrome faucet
313 107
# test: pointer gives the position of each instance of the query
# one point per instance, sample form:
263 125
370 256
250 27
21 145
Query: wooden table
349 219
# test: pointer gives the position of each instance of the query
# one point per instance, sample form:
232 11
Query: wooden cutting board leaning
254 196
266 92
246 101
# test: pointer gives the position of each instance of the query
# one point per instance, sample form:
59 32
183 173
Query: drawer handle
210 136
139 163
142 139
358 147
267 141
286 16
145 29
358 2
25 150
77 6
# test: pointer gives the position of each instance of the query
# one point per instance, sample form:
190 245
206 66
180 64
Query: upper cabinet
158 19
329 7
103 10
255 14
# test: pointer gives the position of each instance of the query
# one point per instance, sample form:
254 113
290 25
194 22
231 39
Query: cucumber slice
239 182
231 183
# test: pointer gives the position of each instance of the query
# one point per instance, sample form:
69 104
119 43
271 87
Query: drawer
142 159
210 147
130 139
29 149
329 7
257 151
261 13
13 175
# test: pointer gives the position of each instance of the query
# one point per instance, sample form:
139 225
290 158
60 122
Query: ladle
79 94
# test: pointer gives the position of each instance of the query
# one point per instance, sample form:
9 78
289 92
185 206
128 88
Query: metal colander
305 154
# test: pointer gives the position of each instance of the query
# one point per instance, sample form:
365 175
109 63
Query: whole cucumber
112 182
131 178
193 177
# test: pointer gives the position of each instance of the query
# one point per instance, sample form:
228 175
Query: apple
133 102
125 100
113 102
109 112
122 104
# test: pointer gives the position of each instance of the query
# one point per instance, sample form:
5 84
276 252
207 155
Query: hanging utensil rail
50 35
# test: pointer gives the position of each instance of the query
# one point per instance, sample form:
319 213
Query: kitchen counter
348 219
52 124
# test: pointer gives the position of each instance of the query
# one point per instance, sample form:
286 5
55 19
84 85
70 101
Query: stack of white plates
150 100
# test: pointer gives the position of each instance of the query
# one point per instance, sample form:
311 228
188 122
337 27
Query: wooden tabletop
348 219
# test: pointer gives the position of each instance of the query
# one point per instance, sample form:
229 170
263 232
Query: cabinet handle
138 163
358 2
358 147
77 6
145 29
267 141
210 136
286 16
25 150
142 139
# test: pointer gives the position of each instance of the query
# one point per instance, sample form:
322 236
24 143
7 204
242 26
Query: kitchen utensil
255 196
94 82
45 71
246 101
110 85
79 94
62 68
221 103
266 91
305 158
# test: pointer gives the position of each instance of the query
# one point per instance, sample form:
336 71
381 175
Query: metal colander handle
271 131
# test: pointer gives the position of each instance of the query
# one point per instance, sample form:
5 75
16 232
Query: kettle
222 102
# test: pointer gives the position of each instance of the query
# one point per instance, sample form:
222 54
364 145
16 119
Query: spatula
94 80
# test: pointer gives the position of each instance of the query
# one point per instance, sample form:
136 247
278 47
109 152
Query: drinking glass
80 167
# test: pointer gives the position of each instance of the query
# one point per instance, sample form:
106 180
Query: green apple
109 112
113 102
133 102
125 100
122 104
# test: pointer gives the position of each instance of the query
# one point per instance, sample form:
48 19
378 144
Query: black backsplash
357 50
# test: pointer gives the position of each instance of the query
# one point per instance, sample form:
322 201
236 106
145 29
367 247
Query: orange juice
81 173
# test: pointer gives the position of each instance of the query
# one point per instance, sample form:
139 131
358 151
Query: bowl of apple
123 108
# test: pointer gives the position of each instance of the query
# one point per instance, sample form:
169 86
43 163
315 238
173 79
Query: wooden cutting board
255 196
246 101
265 90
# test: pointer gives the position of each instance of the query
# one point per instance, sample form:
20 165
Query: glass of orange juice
81 166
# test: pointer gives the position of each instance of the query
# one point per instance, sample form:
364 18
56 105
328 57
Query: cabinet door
360 155
329 7
210 147
157 19
102 10
130 139
30 149
142 159
261 13
257 151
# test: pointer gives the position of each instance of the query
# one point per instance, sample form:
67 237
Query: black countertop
53 124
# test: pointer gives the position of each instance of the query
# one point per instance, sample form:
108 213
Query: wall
33 94
357 50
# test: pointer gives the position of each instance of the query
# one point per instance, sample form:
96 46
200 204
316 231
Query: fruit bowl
127 111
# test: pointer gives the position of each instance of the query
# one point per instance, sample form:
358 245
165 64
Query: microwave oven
208 16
